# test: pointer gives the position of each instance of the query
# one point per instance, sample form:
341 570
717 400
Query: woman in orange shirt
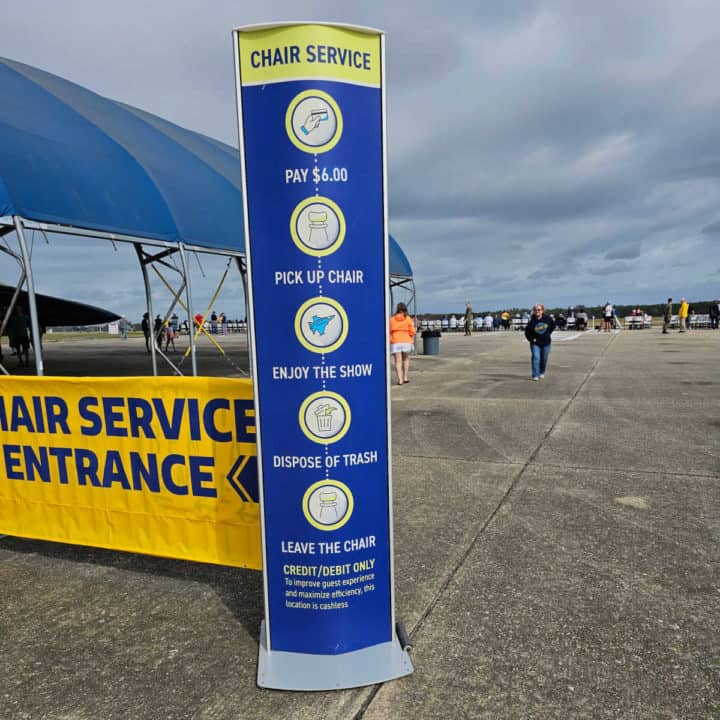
402 331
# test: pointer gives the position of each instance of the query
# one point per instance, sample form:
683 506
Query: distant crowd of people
576 318
166 331
468 322
688 318
538 327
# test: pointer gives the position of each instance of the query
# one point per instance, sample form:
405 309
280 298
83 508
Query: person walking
158 331
581 319
538 332
146 330
402 332
18 332
608 317
714 314
667 316
682 314
468 318
169 336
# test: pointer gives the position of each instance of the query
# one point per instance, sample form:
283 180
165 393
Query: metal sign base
301 671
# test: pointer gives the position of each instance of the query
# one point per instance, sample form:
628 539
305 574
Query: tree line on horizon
701 307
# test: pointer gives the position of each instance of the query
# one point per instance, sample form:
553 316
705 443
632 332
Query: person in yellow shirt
505 320
682 314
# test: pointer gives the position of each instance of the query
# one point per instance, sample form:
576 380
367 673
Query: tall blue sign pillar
312 137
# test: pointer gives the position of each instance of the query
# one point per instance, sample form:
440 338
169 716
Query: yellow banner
163 466
304 52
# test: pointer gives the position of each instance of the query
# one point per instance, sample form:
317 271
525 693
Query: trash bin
431 342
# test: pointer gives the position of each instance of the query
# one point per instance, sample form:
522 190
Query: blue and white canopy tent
402 283
75 163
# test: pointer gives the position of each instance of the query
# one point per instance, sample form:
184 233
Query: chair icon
328 502
318 237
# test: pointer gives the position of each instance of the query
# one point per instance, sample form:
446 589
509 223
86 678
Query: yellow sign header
304 52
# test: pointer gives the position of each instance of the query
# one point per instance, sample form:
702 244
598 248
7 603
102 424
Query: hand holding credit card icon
313 120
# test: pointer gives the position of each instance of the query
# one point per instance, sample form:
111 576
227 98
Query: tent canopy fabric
71 157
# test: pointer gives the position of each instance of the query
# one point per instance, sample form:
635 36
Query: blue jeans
540 355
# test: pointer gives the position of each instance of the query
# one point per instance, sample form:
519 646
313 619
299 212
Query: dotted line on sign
320 292
324 387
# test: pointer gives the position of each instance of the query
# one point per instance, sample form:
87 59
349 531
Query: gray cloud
616 267
629 252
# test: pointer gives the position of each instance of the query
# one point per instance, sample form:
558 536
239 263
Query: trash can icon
324 416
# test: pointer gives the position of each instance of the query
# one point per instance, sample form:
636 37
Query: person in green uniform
468 318
667 315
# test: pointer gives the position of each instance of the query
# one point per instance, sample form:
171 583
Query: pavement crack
640 471
489 519
567 405
475 461
477 431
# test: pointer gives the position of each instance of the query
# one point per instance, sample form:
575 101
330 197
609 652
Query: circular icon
321 325
324 417
328 504
313 121
317 226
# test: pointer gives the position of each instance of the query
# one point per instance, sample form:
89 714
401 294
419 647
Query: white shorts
401 348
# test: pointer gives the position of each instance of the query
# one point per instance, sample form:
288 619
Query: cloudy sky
564 151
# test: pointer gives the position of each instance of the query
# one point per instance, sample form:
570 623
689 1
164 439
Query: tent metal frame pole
11 306
13 301
119 237
188 298
242 266
148 303
32 303
407 284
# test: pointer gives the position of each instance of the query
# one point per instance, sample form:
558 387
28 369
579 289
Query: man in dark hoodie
538 332
146 330
714 314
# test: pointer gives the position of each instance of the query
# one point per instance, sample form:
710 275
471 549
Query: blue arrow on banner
245 467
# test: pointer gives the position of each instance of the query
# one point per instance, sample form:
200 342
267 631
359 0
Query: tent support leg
37 348
13 301
11 306
188 299
242 265
148 303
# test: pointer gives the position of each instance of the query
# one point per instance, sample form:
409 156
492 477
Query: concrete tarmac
557 550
